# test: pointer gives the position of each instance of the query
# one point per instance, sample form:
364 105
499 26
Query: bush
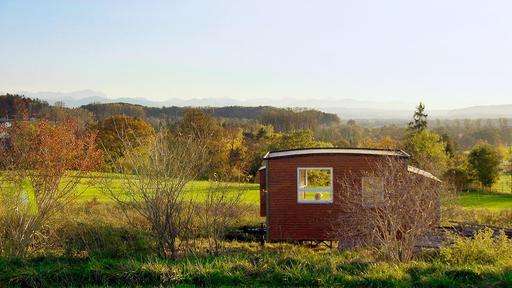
459 177
484 248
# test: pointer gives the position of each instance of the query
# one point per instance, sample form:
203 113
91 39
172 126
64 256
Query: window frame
381 195
301 190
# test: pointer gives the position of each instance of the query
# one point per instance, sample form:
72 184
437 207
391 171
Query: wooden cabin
298 188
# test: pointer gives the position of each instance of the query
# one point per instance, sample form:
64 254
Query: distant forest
464 133
238 137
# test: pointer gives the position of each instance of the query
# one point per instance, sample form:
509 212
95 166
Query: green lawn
499 199
492 201
92 188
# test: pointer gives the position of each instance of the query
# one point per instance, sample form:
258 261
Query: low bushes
92 247
484 248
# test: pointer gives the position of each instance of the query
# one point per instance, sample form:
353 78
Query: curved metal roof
316 151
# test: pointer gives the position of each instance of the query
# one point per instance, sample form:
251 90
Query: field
499 198
248 265
96 253
489 200
93 187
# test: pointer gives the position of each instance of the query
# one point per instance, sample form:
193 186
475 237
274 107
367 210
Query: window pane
318 178
316 196
302 178
372 190
315 185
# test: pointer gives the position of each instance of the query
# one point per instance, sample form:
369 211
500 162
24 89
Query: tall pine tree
419 122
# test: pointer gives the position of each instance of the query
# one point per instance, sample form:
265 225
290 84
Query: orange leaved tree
41 165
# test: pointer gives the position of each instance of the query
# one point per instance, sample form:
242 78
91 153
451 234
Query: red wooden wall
289 220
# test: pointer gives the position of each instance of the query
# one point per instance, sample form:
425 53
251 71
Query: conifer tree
419 122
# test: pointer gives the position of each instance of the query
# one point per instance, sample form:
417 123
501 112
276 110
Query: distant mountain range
345 108
473 112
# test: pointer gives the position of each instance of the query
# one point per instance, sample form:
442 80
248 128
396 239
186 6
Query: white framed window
372 191
314 185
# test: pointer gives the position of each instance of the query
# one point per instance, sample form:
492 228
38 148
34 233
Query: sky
448 54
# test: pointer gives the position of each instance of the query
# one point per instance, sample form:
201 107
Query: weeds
90 246
246 264
484 248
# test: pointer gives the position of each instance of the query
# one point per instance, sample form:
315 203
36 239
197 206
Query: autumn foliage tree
225 144
42 164
119 132
17 106
385 142
297 139
428 151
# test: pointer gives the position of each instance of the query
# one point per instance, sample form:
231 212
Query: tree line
238 137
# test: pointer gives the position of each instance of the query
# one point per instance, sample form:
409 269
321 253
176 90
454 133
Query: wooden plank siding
288 220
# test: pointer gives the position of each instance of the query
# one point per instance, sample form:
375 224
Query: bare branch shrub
152 183
36 181
404 207
222 208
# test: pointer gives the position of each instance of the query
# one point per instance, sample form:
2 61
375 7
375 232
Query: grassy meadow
275 265
499 198
93 186
90 188
93 247
485 200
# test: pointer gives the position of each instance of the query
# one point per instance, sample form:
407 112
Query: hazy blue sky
447 53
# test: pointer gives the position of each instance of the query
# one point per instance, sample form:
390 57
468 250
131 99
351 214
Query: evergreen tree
419 122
